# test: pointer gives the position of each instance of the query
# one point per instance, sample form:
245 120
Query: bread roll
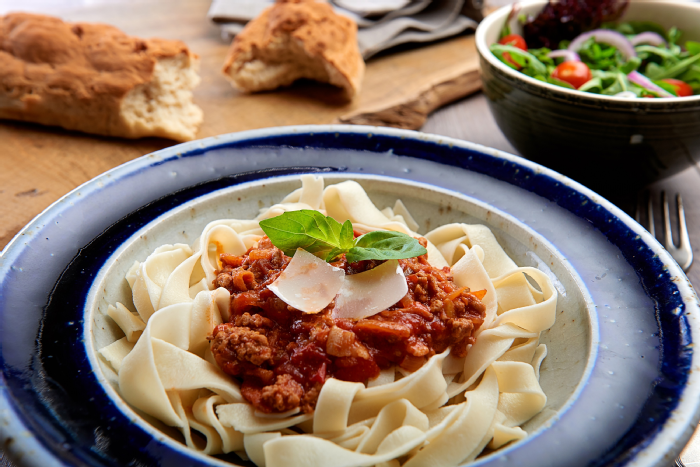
96 79
296 39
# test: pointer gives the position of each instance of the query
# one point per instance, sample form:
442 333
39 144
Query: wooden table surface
35 184
38 164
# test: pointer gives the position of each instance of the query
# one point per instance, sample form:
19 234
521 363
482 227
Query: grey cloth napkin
382 24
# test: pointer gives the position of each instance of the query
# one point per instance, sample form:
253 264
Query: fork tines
683 253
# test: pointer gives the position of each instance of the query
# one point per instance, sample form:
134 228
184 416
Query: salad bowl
598 140
619 379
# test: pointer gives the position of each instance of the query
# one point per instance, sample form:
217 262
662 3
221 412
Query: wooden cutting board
38 165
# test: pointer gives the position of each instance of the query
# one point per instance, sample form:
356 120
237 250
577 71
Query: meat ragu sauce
283 356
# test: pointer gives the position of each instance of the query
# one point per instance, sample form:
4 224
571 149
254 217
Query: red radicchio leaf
566 19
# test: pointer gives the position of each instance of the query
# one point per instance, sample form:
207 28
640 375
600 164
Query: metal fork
683 253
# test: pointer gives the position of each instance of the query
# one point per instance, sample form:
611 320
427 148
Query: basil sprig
327 238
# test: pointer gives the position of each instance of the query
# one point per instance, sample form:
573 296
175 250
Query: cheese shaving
370 292
308 283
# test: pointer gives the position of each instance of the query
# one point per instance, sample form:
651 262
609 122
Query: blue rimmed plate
634 402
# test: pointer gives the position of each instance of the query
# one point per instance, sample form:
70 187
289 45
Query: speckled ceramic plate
619 380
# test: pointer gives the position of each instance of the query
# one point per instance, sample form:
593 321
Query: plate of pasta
350 296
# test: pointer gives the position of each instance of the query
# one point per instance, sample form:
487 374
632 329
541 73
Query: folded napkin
382 24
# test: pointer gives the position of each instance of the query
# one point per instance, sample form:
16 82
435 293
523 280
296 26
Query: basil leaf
327 238
305 229
347 236
383 244
347 239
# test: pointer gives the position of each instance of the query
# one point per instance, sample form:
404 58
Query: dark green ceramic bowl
604 142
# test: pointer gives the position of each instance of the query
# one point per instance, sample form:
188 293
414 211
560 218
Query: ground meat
308 403
241 344
285 394
252 321
283 356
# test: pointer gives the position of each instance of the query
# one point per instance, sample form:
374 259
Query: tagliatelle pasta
444 413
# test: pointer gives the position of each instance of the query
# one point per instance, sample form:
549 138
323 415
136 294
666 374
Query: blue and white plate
619 375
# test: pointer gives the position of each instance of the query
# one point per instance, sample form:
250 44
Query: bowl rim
93 298
672 433
497 18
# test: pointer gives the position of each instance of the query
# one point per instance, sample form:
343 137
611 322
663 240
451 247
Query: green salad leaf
692 47
673 35
673 70
665 54
692 77
594 85
556 82
631 28
631 65
529 64
327 238
666 87
600 56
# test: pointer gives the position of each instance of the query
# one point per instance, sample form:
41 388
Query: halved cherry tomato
574 73
516 41
682 88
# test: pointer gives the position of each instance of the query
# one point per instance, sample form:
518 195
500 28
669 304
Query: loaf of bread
296 39
96 79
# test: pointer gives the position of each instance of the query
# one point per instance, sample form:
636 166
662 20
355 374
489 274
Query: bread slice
96 79
296 39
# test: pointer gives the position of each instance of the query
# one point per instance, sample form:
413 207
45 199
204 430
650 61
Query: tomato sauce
283 356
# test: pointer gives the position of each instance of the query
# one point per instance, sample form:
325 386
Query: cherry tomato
516 41
682 88
574 73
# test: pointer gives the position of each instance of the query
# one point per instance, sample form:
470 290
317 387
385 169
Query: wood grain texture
38 165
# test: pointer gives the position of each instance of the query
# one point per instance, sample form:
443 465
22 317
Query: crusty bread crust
296 39
77 75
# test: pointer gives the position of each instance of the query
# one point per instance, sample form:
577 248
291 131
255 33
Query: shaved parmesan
308 283
371 292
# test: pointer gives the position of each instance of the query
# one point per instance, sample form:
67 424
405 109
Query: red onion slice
567 55
650 38
643 81
606 36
